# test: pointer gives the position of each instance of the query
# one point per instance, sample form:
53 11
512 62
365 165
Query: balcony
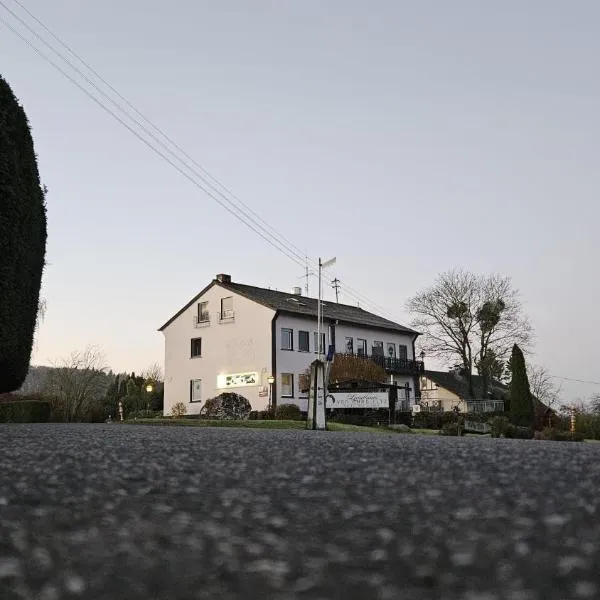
396 366
202 320
484 406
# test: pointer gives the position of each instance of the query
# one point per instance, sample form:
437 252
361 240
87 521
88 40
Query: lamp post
149 389
270 381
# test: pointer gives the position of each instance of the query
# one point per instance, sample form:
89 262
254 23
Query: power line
147 143
575 380
215 181
262 228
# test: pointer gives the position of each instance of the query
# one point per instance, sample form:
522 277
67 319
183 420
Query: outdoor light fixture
271 381
149 388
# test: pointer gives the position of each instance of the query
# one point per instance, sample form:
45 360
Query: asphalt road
134 512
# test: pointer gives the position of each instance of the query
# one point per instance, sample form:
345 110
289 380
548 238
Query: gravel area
134 512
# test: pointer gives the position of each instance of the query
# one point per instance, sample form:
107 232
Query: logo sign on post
358 400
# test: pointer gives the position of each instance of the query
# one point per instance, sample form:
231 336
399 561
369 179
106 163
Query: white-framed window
196 390
227 308
322 345
287 339
349 345
303 341
303 385
361 347
391 350
203 315
402 352
196 347
377 349
287 385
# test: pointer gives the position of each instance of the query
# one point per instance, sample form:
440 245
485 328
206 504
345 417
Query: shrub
519 433
227 407
589 425
451 429
179 410
261 415
25 412
22 243
288 412
499 426
549 433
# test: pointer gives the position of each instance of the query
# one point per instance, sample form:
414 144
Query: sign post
316 396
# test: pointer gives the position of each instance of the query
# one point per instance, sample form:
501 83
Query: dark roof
305 306
302 306
457 384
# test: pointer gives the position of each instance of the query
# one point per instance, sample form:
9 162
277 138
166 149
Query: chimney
297 291
223 278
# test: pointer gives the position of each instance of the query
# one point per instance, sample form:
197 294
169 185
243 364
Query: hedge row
25 412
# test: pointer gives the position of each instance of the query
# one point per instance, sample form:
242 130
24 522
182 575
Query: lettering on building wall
358 400
237 380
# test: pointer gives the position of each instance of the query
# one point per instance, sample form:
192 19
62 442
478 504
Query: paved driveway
113 511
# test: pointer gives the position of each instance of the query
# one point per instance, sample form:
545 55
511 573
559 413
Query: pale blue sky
407 138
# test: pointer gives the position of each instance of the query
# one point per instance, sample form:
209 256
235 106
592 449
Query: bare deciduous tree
473 318
78 381
153 373
543 385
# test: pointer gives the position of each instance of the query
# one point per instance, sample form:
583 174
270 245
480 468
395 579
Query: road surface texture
140 512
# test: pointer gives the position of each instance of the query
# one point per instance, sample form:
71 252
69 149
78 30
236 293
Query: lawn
255 424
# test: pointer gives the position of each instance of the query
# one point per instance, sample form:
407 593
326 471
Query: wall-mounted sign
237 380
358 400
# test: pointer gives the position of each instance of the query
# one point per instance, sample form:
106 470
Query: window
203 312
391 350
303 341
320 347
287 385
303 385
361 347
402 352
227 308
349 345
196 390
287 339
196 349
377 349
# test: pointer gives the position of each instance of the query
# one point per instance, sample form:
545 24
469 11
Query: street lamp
149 389
270 381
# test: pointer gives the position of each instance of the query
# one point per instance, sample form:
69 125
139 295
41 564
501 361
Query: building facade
236 337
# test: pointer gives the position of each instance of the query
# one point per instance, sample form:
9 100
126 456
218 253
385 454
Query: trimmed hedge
22 243
288 412
25 412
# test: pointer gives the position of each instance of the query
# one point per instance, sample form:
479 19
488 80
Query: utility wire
299 256
278 241
147 143
213 179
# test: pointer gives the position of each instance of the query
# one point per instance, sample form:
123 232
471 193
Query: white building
234 337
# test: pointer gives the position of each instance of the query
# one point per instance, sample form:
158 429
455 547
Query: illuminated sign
237 380
358 400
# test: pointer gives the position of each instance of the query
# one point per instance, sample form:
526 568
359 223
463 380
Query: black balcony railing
397 366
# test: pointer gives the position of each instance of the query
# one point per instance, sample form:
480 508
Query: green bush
453 428
227 406
549 433
261 415
25 412
22 242
500 426
519 433
288 412
589 425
